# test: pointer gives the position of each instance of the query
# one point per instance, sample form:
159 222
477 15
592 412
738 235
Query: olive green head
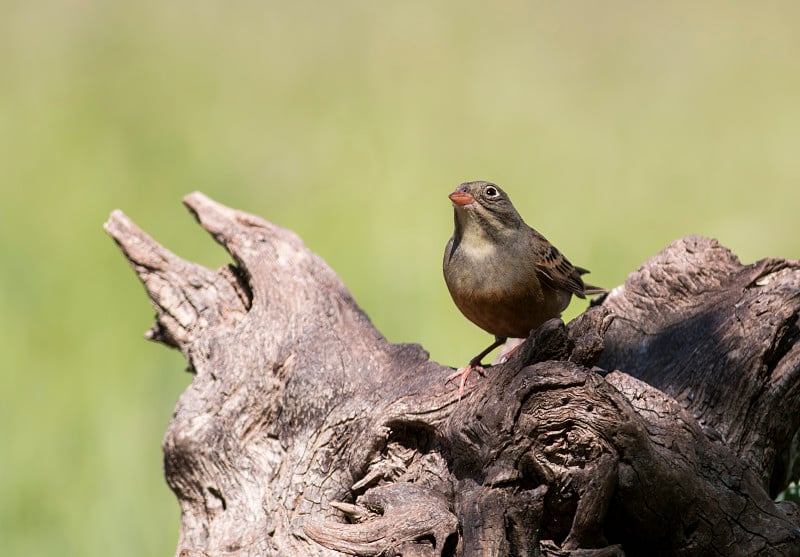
484 209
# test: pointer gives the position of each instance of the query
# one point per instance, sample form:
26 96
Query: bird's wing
555 270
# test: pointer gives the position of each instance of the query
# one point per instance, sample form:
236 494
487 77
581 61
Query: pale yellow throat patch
477 246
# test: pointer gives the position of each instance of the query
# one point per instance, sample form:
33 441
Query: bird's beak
462 198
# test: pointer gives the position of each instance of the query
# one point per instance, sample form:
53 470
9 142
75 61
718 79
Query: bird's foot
464 373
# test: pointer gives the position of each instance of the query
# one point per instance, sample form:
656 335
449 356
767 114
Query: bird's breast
477 267
499 291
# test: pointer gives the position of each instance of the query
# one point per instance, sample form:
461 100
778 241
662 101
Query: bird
502 274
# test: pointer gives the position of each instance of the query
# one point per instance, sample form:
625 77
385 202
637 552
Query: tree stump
660 422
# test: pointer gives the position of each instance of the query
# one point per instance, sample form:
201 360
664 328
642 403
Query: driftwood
661 422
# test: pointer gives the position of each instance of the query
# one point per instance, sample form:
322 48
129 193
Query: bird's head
483 208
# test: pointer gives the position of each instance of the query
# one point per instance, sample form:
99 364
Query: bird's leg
510 348
474 363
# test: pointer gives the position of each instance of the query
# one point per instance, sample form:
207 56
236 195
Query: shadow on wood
661 422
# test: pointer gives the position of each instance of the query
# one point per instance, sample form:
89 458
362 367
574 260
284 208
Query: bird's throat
472 239
480 233
477 246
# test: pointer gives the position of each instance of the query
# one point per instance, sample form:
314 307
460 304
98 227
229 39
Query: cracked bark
661 422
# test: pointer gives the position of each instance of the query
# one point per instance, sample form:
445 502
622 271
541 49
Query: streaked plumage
503 275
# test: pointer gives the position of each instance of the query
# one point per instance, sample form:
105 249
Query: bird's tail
589 289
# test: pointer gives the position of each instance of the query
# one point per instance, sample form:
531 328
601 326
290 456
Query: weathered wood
655 424
719 338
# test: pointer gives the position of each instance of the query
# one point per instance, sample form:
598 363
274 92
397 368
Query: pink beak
459 197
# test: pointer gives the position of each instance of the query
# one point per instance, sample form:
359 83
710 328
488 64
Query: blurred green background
616 127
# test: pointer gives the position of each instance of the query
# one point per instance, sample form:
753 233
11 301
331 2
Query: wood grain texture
658 423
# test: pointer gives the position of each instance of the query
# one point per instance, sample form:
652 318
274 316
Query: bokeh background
616 127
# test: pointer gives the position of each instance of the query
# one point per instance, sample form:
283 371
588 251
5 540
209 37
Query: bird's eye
491 191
